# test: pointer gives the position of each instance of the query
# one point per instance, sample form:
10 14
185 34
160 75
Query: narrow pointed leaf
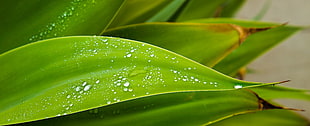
196 9
66 75
205 43
166 13
34 20
254 46
278 92
138 11
182 109
266 118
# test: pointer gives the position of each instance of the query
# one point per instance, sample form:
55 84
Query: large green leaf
66 75
183 108
34 20
205 43
265 118
196 9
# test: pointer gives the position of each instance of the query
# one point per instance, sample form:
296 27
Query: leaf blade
36 20
84 68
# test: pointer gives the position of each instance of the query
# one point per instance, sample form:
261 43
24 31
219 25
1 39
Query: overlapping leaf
183 108
196 9
138 11
265 118
205 43
254 45
34 20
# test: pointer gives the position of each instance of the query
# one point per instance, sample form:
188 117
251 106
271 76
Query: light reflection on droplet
238 86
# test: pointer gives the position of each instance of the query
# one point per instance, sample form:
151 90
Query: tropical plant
137 62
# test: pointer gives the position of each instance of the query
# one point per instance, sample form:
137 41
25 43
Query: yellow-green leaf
71 74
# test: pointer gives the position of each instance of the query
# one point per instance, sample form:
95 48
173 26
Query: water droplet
128 55
130 89
238 86
98 81
71 105
87 87
126 84
68 96
84 83
109 102
125 89
147 93
152 55
149 61
78 88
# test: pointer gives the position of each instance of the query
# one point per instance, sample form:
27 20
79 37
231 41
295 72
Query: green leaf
196 9
66 75
205 43
28 21
166 13
278 92
181 109
138 11
253 46
265 118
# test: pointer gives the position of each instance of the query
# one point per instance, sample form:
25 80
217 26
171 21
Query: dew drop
126 84
128 55
78 88
152 55
87 87
109 102
125 89
237 86
68 96
104 40
84 83
98 81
